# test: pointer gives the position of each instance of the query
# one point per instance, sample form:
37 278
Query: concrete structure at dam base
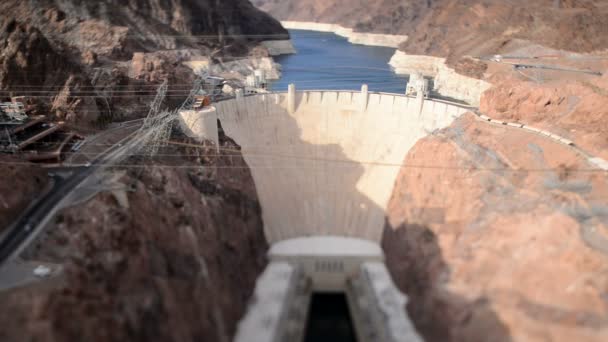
200 124
301 267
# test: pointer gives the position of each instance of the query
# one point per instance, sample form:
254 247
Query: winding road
65 180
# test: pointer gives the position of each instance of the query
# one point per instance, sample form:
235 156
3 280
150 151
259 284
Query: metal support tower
156 129
152 120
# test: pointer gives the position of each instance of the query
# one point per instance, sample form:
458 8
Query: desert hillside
449 28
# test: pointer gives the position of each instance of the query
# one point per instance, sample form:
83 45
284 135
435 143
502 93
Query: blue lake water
328 61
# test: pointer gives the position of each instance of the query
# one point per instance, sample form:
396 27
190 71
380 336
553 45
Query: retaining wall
200 124
447 81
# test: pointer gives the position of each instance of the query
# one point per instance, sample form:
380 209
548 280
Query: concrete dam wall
324 162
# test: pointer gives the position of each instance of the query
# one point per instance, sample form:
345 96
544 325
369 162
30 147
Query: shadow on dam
327 166
307 182
323 170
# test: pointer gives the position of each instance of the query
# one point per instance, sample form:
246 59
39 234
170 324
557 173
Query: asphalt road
33 220
35 214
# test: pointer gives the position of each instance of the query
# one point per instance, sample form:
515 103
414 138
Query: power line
243 153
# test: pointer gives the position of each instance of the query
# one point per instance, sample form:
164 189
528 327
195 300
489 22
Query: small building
416 84
257 80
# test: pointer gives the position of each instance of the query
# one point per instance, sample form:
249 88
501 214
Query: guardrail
461 105
594 160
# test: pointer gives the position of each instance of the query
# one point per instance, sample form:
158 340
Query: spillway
324 162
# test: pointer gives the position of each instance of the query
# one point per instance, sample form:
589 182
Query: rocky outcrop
76 54
167 254
118 28
454 28
28 58
575 109
488 247
31 65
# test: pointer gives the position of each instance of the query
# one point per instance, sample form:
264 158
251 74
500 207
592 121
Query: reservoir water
328 61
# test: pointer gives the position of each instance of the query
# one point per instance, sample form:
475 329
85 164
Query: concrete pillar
419 100
364 97
291 98
250 81
411 86
201 125
260 77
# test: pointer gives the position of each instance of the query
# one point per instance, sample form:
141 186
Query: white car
42 271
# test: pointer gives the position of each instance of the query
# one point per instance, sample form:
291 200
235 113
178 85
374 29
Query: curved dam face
324 162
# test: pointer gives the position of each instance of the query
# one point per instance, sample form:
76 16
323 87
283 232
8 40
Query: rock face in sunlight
30 63
488 249
171 254
575 109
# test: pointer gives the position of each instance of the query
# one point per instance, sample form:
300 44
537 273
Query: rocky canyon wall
501 238
169 253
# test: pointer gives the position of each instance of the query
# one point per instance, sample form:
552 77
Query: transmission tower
153 114
196 88
152 120
156 130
